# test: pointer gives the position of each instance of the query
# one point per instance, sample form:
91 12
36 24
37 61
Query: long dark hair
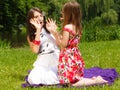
30 28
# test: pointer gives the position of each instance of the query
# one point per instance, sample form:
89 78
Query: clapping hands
51 25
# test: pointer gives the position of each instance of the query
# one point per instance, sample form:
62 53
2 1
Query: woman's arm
61 40
33 47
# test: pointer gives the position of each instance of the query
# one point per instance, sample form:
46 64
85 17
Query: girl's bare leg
90 81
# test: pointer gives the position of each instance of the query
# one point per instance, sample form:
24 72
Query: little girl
71 64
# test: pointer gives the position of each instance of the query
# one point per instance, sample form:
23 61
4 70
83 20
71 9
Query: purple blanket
109 74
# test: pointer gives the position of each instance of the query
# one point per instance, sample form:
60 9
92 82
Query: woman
42 43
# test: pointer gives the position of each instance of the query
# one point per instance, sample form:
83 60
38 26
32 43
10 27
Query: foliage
116 7
95 30
13 14
93 8
110 17
4 44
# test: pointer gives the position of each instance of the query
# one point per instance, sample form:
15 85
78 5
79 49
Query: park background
100 43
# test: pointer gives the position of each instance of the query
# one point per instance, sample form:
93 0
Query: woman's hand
51 25
36 23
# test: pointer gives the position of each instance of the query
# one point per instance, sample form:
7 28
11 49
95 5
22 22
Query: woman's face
38 16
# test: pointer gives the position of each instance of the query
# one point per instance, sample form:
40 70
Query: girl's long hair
72 15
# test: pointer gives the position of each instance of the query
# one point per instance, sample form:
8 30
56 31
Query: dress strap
70 31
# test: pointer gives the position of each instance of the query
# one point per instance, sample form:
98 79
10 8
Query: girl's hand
51 25
36 23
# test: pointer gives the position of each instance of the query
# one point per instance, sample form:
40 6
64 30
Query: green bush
110 17
95 30
4 44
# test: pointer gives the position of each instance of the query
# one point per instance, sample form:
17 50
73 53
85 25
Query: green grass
15 62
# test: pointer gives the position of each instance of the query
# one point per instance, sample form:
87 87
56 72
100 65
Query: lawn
15 62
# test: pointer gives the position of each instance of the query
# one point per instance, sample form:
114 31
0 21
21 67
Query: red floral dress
71 64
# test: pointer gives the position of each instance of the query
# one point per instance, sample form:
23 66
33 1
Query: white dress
45 67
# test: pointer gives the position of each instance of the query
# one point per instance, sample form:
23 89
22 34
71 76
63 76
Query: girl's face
38 16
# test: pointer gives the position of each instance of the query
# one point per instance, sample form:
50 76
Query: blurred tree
110 17
93 8
8 17
13 12
116 7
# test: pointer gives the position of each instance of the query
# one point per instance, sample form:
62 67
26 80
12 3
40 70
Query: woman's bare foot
90 81
100 80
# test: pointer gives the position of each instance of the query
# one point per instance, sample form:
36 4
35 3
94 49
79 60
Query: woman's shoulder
69 26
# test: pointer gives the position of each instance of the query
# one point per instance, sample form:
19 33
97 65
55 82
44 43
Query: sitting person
42 43
71 64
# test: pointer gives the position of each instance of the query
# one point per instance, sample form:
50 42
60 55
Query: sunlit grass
103 54
15 62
